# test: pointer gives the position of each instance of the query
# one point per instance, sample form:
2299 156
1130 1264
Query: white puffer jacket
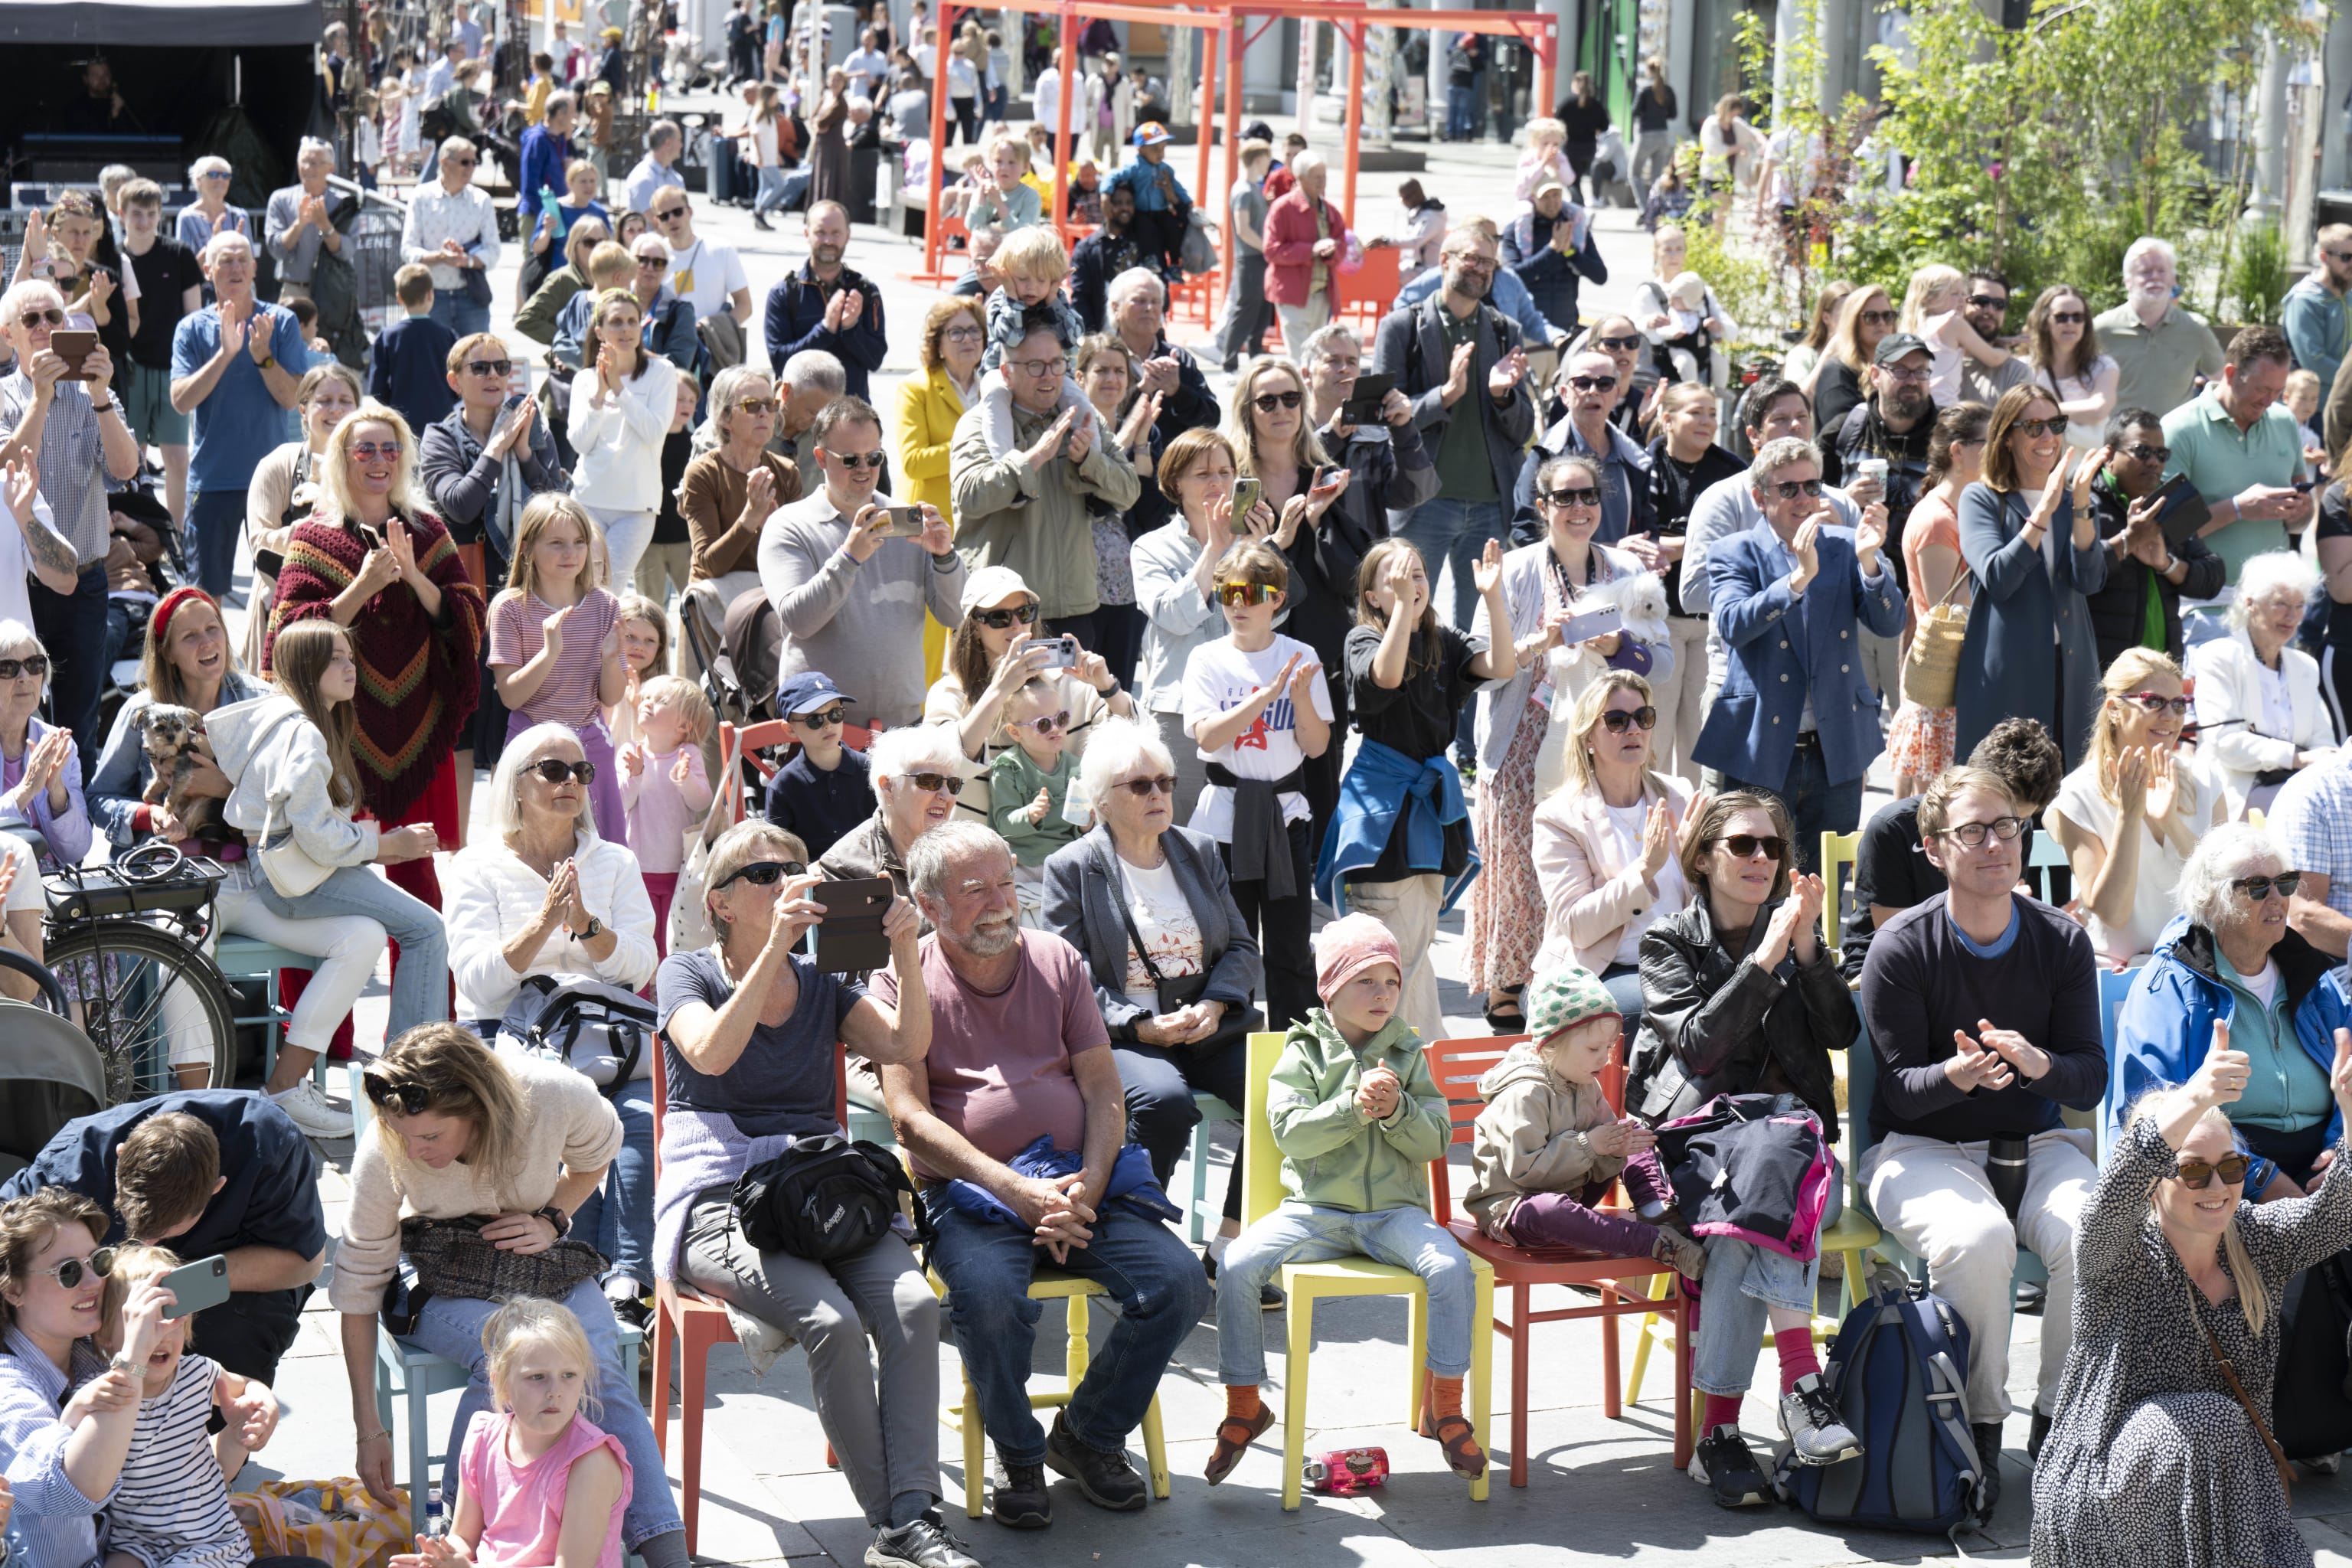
278 770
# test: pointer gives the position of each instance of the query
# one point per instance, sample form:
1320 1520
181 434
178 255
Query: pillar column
2263 202
2336 81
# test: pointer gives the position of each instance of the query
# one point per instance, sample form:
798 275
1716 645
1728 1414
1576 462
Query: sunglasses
668 213
763 873
32 664
555 770
836 714
1244 592
759 405
2197 1174
1744 846
1144 789
1789 490
1045 723
654 263
368 451
460 163
2257 888
1578 497
997 620
1618 720
1268 402
1878 317
2150 702
2071 318
1592 383
932 783
1988 302
68 1274
2036 430
1620 345
497 367
2148 454
44 317
855 460
1971 835
395 1094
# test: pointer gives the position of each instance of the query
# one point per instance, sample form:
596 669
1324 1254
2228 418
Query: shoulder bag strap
1126 915
2238 1391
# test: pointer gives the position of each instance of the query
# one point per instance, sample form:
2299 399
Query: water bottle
434 1524
554 213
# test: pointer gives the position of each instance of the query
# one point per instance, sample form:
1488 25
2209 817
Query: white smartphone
1591 624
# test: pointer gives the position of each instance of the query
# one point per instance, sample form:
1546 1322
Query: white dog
1640 603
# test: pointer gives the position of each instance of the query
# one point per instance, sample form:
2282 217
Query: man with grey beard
1018 1052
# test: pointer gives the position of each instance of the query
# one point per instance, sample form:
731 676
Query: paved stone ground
1599 1489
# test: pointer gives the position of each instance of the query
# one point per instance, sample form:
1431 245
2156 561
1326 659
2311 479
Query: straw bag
1931 669
689 916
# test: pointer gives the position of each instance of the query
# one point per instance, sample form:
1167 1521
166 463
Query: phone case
851 940
197 1286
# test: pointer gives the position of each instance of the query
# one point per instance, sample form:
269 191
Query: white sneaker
311 1112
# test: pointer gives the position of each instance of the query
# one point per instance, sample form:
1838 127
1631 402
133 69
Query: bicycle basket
154 878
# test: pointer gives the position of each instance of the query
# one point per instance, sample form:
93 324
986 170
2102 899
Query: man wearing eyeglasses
828 305
2315 317
1797 717
1982 1005
2243 451
2160 346
2147 576
453 230
1586 430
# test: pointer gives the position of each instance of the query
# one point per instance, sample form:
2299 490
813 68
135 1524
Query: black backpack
824 1197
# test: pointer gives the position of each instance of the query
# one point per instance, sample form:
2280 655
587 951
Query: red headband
169 605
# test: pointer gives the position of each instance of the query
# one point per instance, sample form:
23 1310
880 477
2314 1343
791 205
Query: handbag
452 1260
335 1522
1931 669
1182 990
474 284
2238 1391
823 1198
602 1032
689 916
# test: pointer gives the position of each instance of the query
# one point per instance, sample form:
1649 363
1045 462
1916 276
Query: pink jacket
1290 246
1589 893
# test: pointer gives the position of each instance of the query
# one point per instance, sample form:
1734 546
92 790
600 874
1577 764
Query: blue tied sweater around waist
1381 784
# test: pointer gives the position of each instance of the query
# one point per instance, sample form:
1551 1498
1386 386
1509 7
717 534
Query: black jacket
1094 262
2119 610
1713 1022
1395 476
1862 433
1082 909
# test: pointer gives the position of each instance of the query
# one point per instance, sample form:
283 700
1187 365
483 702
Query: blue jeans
217 521
1624 984
1461 112
1145 1267
1451 535
771 189
1304 1233
420 981
451 1326
459 314
1742 1280
1815 805
617 1219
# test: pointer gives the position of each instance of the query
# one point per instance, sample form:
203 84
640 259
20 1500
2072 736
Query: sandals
1234 1437
1514 1022
1455 1436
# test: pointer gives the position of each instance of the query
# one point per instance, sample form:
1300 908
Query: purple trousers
1564 1219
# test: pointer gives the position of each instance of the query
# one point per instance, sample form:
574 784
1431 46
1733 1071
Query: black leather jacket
1713 1022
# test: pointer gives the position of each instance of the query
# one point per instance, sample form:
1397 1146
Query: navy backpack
1898 1369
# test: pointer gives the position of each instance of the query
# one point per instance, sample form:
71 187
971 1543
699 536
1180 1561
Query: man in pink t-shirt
1019 1049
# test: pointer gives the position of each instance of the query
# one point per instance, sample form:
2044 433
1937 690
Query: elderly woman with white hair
917 771
210 213
2230 972
542 894
2260 713
1150 908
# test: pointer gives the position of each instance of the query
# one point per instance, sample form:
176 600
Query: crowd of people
1168 711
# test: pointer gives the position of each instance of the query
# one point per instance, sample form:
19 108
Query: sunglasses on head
1586 497
763 873
853 460
1617 721
32 664
555 770
2257 888
68 1273
50 317
390 1093
1045 723
825 719
932 783
997 620
1592 383
1244 592
2037 429
2197 1174
1268 402
497 367
1789 490
1144 789
1620 345
1744 846
2152 702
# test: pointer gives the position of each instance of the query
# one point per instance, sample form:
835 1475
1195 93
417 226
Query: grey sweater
861 623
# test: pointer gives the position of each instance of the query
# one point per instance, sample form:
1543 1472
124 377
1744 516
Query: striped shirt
171 1506
53 1524
569 695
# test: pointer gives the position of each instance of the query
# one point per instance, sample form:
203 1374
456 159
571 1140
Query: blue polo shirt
240 423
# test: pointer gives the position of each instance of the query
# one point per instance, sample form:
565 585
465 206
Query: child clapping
1035 267
1029 782
664 787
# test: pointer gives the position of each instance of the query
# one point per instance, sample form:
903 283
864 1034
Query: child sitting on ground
1356 1118
663 786
537 1481
171 1508
1029 784
1034 268
1547 1146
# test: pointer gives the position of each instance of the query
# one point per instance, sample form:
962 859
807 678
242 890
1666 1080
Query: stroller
49 1071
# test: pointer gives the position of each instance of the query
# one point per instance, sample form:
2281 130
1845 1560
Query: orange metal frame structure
1226 34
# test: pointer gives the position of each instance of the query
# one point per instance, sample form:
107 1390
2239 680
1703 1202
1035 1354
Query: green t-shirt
2285 1089
1466 469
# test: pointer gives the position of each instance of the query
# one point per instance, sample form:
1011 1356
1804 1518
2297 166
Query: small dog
175 740
1641 602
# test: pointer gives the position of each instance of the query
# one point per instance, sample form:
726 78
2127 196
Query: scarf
504 514
419 677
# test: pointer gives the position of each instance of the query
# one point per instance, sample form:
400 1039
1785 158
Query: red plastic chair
1456 1065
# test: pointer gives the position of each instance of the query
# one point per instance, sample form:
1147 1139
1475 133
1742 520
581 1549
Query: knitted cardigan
419 676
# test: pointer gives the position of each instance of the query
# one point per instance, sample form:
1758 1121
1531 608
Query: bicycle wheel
143 996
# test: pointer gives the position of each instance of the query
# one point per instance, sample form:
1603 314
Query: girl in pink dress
538 1483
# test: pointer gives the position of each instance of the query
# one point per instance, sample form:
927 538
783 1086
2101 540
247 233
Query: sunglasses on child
1246 593
388 1093
32 664
1744 846
997 620
763 873
555 770
1045 723
68 1273
2197 1174
836 714
498 367
1618 720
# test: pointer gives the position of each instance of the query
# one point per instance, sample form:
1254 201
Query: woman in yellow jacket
929 407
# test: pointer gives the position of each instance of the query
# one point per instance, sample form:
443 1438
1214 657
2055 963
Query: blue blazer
1751 733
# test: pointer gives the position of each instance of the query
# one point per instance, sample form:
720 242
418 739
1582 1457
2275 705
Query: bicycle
126 941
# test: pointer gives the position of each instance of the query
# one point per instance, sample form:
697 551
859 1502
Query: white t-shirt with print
1170 931
1218 677
706 275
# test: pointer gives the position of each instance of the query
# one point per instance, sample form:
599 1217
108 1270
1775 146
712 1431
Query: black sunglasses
388 1093
933 783
857 459
2257 888
2070 317
997 620
1587 497
763 873
2035 429
1268 402
1743 845
2142 452
1620 345
1144 789
836 714
1592 383
32 664
555 770
1878 317
2197 1174
498 367
1618 720
1987 302
1789 490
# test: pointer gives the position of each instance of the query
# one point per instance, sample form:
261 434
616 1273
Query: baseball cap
993 586
1151 133
1549 185
1895 345
806 692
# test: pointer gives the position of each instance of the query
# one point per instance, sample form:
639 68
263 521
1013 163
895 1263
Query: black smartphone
1364 400
2181 511
197 1286
850 940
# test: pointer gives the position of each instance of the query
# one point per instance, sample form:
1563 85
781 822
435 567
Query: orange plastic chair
756 738
1456 1065
1365 295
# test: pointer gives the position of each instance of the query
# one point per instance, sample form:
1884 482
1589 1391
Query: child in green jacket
1358 1119
1028 786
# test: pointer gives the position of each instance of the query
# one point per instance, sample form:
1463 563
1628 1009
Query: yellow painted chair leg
1416 1351
1657 1288
1155 1449
1294 1394
1482 1375
974 1439
1081 1351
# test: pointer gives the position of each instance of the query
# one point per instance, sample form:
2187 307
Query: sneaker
1724 1462
759 221
2323 1464
925 1544
1021 1501
1987 1436
2041 1434
628 1299
310 1112
1104 1477
1817 1433
1675 1247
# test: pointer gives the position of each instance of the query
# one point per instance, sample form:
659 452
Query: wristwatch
595 928
122 1362
556 1217
267 362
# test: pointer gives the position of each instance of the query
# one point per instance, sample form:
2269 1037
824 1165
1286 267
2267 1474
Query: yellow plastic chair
1305 1283
1840 851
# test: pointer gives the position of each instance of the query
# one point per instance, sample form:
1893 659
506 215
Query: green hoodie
1333 1156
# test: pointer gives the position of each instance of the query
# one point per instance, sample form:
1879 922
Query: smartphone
2181 512
1245 494
1326 476
73 347
850 941
1064 650
1364 399
903 523
1592 624
197 1286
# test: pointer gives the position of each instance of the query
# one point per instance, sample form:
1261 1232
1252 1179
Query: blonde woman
619 417
1867 315
458 1133
1806 356
2130 816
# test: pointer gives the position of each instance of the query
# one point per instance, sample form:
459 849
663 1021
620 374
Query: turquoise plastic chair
1197 1214
250 958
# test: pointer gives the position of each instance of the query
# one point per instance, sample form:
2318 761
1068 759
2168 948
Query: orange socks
1242 1401
1444 1396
